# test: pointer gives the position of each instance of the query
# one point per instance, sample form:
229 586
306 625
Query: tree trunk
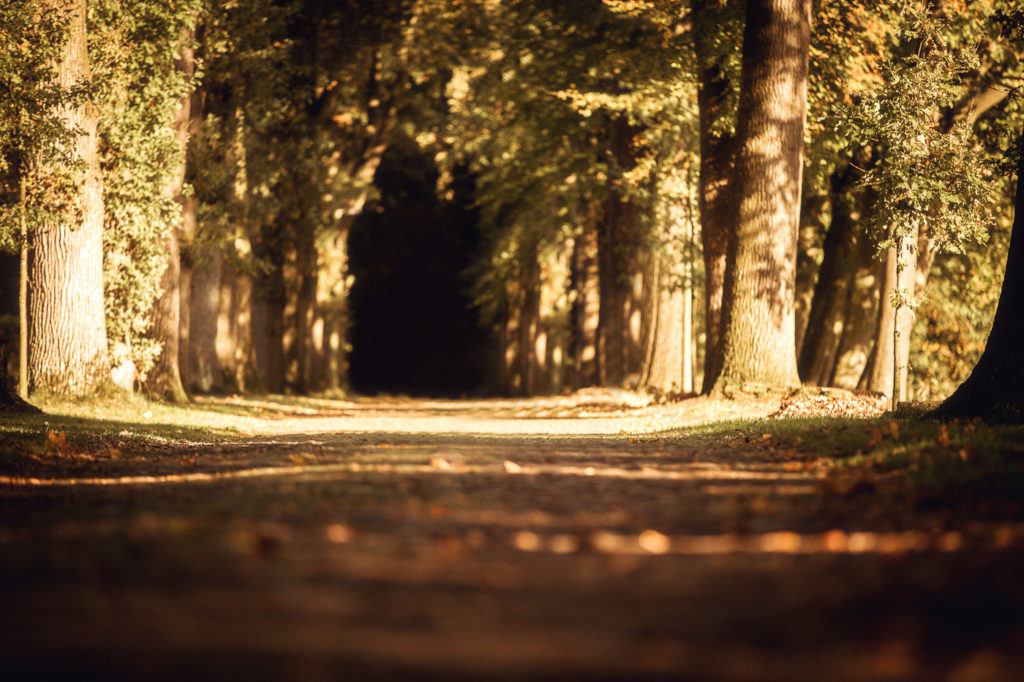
301 311
995 389
188 352
67 328
879 372
663 366
813 210
235 351
163 382
268 321
529 321
620 348
759 344
715 192
23 300
688 343
827 317
512 377
585 302
861 312
334 284
202 355
906 276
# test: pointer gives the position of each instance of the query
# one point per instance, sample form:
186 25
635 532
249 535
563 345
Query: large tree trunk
715 193
67 328
995 389
163 382
759 344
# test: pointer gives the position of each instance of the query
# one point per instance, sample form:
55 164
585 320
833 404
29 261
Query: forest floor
593 536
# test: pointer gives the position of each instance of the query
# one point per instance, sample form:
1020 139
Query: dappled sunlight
480 534
835 541
621 412
437 465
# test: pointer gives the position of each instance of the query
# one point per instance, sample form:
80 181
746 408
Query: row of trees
181 182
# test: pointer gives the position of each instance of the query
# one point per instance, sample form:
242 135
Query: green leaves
930 178
137 86
35 144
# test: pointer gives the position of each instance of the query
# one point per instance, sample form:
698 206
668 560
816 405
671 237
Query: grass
74 436
958 464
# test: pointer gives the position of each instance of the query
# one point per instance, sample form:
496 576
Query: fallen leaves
832 403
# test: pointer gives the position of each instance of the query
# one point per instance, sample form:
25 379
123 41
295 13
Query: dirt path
495 540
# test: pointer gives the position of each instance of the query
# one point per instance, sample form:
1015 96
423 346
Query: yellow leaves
57 443
300 459
888 432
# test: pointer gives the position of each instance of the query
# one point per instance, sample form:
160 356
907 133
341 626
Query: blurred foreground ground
588 538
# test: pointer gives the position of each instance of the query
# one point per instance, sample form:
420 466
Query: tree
928 183
995 389
67 327
717 29
758 312
139 52
36 146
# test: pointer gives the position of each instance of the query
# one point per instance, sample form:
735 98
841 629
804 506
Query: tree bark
23 300
301 312
813 210
67 328
861 311
202 355
995 389
759 344
620 344
163 382
879 372
188 351
529 321
268 319
335 283
663 366
827 318
585 305
235 351
715 193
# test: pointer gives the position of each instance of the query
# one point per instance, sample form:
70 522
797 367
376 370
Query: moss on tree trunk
67 328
